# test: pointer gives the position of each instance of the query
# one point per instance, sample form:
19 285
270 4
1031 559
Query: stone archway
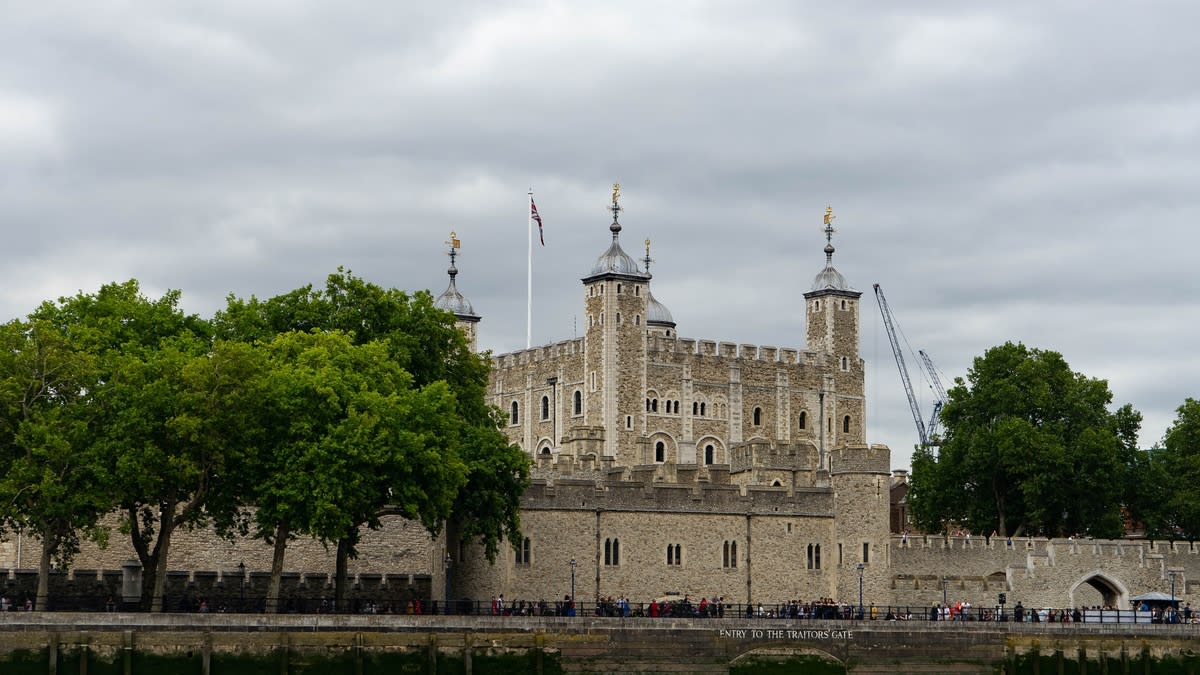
809 658
1112 592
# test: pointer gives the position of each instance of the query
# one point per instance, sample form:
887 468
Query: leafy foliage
424 342
1030 446
53 482
1174 472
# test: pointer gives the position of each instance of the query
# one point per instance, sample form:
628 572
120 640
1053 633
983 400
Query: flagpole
529 276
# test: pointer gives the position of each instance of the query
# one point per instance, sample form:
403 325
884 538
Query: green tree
424 341
165 415
1176 468
1030 446
53 483
346 433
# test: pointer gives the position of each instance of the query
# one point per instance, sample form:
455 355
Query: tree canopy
1172 472
322 409
1030 446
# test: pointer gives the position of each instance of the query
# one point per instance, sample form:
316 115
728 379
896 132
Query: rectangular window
866 552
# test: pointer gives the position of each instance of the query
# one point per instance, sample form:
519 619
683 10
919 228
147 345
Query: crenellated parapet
544 353
767 354
762 454
699 497
860 458
587 466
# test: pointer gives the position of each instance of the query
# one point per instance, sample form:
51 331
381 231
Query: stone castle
665 466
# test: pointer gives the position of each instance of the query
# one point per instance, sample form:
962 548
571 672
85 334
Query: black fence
245 598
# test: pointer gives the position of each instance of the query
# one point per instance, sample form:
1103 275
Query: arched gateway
1111 591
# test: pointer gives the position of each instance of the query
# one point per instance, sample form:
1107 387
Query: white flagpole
529 278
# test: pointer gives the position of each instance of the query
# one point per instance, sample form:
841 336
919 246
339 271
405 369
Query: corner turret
453 301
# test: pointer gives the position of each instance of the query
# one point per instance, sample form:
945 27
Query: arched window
637 319
523 552
660 452
674 554
814 556
612 552
776 483
545 408
845 363
619 290
758 417
578 402
695 408
803 419
708 454
702 413
846 424
618 318
733 554
676 407
513 418
654 405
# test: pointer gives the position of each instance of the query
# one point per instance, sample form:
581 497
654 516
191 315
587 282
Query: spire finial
647 259
829 235
454 245
616 209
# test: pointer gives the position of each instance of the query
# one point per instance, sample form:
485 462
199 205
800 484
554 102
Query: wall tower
453 301
615 294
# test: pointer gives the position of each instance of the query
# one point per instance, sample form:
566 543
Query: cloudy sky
1005 171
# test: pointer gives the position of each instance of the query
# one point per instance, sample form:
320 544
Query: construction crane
926 433
940 392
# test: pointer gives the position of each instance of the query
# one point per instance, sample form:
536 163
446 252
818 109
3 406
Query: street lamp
447 582
571 607
860 579
1171 573
242 578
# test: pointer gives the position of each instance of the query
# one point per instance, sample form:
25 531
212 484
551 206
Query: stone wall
216 644
400 547
1039 572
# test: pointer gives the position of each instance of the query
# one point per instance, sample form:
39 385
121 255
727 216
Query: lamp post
571 607
860 586
242 579
447 611
1171 573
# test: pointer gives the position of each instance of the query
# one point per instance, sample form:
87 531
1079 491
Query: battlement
1050 547
587 466
766 354
548 352
800 456
632 495
874 458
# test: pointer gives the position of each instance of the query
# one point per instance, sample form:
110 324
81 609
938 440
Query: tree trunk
160 563
43 587
281 537
339 575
